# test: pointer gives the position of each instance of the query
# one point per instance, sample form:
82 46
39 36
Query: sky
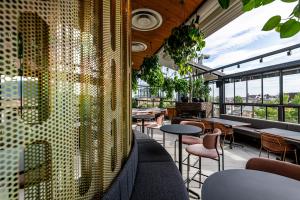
243 38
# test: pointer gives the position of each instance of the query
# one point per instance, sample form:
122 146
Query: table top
241 184
143 116
226 122
282 132
179 129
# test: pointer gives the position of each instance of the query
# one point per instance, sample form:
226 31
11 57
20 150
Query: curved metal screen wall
64 97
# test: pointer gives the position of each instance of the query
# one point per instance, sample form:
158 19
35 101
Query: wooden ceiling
173 13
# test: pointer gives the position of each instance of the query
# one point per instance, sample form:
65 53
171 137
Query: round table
180 130
143 118
241 184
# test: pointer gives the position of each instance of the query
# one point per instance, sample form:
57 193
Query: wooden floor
235 158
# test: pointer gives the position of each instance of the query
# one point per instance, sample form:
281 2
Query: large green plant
181 85
152 74
200 88
168 87
183 45
286 27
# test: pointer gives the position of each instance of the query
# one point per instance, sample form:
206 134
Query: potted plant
200 89
152 74
184 44
182 87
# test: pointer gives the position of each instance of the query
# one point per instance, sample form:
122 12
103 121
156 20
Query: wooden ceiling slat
173 13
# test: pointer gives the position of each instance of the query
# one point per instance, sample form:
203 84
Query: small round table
180 130
241 184
143 118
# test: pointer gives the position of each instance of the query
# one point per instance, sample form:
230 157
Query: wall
65 126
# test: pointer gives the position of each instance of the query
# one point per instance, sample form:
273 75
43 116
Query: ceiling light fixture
144 19
238 66
289 53
261 60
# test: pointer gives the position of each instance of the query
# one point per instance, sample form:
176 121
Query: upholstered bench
155 177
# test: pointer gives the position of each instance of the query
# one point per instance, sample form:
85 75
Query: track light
238 66
261 60
222 70
289 53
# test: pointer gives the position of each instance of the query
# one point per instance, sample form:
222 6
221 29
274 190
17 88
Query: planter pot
184 99
194 99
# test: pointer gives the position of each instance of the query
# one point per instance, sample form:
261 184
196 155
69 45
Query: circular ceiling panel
144 19
138 46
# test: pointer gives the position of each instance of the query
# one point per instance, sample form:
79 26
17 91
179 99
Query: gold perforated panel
64 97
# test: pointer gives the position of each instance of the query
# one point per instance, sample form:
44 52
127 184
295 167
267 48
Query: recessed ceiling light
138 46
144 19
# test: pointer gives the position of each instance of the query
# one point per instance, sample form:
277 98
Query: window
291 89
271 88
291 114
272 113
254 89
259 112
214 93
229 92
240 91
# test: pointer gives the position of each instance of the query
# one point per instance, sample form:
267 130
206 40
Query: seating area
149 99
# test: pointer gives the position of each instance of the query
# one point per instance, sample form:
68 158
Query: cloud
243 38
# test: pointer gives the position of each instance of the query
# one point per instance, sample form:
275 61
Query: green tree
238 99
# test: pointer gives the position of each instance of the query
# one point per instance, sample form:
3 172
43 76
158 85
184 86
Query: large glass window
271 88
291 88
214 92
229 92
259 112
272 113
240 91
254 89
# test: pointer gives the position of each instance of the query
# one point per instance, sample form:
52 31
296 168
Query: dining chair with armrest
275 166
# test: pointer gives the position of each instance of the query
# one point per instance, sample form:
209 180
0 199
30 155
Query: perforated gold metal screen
64 97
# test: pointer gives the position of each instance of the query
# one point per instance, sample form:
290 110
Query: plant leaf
224 3
265 2
296 11
289 1
272 23
249 6
289 28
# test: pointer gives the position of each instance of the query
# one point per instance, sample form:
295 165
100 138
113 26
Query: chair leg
164 139
284 153
268 154
188 172
223 163
231 141
296 156
175 152
260 151
200 172
219 164
152 133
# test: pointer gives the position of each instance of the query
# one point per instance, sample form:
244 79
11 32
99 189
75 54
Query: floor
235 158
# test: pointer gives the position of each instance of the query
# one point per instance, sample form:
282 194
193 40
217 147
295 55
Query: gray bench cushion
151 151
158 181
122 186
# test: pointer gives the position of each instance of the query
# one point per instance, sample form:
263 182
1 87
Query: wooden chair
208 149
159 122
208 126
226 132
274 166
189 140
276 144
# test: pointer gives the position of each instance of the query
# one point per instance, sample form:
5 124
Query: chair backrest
194 123
218 131
208 125
272 143
274 166
211 141
160 119
224 129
